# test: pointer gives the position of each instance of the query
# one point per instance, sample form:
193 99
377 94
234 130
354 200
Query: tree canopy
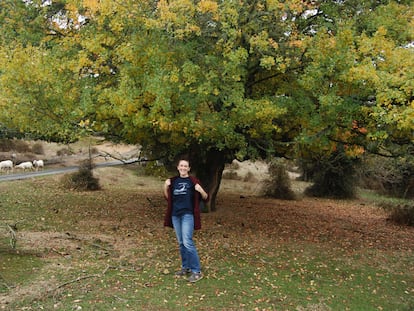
215 80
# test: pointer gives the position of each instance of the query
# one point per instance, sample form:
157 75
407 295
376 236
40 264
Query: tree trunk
210 171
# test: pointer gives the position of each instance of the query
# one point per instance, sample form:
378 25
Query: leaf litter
124 229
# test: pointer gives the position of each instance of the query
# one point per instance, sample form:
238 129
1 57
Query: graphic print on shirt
181 189
183 193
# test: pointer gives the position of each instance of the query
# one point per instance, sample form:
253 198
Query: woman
183 193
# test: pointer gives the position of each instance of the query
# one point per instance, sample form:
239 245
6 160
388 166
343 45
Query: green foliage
242 80
359 92
393 18
39 95
185 99
153 168
29 30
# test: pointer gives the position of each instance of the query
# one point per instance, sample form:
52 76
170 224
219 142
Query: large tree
217 80
214 86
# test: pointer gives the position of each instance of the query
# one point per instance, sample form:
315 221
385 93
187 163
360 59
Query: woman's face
183 168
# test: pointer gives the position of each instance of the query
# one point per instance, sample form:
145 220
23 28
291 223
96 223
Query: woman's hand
167 184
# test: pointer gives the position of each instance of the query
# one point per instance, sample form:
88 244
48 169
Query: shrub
14 145
231 175
21 146
6 145
249 177
83 179
37 148
334 176
153 168
388 176
278 185
63 152
94 150
27 157
400 213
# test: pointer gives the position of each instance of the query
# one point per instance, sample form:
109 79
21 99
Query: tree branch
11 229
270 77
84 278
5 282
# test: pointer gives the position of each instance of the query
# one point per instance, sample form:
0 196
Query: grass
382 200
399 210
107 250
17 268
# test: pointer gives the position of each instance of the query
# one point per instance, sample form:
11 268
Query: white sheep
25 166
38 164
6 165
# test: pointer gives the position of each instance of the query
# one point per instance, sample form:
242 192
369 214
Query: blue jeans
184 228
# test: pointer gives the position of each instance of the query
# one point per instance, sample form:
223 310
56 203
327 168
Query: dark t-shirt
183 194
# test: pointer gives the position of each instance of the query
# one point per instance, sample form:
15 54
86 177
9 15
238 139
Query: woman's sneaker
195 276
182 272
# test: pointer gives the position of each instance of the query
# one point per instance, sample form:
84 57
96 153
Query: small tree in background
333 176
278 185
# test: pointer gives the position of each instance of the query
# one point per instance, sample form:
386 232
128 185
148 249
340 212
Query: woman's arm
200 189
166 186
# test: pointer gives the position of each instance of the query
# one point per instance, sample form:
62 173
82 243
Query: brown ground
350 225
354 223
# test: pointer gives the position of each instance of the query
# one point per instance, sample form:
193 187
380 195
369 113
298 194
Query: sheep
7 165
38 164
25 166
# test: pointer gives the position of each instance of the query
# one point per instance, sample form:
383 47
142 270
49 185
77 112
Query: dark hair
184 159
